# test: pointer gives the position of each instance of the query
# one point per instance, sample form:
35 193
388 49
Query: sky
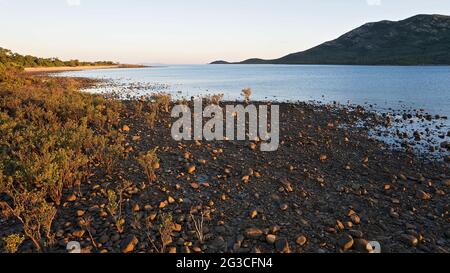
189 31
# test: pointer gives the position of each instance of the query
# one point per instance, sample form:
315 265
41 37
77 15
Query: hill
419 40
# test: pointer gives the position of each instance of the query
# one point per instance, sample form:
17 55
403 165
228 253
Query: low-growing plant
13 242
214 99
33 211
114 207
138 106
247 93
165 231
52 136
163 101
150 119
149 161
85 223
198 226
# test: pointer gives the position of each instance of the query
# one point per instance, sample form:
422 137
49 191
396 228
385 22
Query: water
387 89
396 87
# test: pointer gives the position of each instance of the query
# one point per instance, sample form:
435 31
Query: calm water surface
416 87
391 89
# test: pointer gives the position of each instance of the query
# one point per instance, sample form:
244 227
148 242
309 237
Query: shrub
163 101
150 119
165 231
114 207
214 99
150 163
247 93
13 242
51 136
33 211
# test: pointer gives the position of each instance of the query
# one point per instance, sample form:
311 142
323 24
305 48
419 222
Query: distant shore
78 68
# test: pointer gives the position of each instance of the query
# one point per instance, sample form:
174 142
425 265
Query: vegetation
52 137
7 57
13 242
247 93
114 207
150 162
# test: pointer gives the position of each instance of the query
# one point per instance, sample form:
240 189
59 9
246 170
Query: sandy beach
77 68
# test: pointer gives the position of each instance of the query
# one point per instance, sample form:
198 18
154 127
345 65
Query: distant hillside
7 57
419 40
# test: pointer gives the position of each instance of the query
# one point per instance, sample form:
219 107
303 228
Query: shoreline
34 70
329 188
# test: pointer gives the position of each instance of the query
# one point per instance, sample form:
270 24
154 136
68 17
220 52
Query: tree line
9 58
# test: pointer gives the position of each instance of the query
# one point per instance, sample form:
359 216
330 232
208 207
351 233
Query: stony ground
329 188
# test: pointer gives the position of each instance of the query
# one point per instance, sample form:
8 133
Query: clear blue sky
188 31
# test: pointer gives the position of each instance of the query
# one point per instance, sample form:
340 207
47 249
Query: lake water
384 87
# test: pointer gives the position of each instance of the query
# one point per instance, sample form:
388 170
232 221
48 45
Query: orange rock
125 128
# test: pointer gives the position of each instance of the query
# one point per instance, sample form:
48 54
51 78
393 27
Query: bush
150 163
51 136
163 101
13 242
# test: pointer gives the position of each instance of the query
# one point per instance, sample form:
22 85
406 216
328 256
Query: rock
447 182
355 219
253 233
172 250
284 207
362 245
356 233
282 246
125 128
196 249
394 214
271 239
171 200
287 185
129 244
301 240
245 179
103 239
191 169
253 214
403 177
252 146
323 157
423 196
340 225
80 213
177 227
275 229
345 242
136 208
103 214
162 204
115 237
409 239
78 233
152 216
72 198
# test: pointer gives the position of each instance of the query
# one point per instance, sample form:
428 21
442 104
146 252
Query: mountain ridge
418 40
